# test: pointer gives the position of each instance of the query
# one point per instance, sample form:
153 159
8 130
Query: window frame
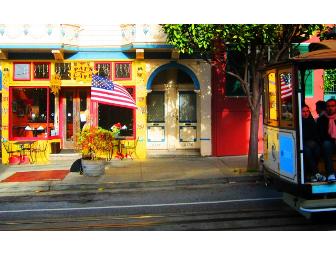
267 120
164 108
288 124
133 113
60 62
104 62
10 119
41 79
115 71
227 94
29 70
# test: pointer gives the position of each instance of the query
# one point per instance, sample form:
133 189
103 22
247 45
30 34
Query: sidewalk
126 175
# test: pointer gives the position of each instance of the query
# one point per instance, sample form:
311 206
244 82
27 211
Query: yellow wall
138 80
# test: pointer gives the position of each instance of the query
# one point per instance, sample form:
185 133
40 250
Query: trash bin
55 147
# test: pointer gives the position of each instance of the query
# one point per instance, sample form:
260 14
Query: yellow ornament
55 84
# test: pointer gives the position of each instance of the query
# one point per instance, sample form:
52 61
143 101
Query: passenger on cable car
311 148
326 127
321 108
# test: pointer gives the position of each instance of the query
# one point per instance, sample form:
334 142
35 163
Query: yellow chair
40 149
130 148
9 148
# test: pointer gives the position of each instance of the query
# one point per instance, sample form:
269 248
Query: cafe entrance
74 108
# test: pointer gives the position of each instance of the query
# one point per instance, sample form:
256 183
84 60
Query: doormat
31 176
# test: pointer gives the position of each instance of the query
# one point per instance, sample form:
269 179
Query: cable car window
286 99
271 99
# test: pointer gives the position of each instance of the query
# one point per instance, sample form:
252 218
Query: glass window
31 112
187 106
63 70
308 81
155 107
272 98
83 108
286 97
235 61
104 70
52 125
123 71
109 115
41 71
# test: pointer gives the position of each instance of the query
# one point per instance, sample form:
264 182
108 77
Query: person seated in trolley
326 126
311 147
321 108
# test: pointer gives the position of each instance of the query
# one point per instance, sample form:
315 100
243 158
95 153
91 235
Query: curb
49 188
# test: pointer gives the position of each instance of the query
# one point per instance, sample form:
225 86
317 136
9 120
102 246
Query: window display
32 116
109 115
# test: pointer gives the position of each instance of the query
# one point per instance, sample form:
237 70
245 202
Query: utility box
55 147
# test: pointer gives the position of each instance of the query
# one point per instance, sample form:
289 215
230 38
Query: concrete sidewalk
134 174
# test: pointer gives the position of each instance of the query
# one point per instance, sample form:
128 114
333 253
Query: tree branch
245 87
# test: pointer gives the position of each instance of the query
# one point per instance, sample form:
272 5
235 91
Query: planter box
93 167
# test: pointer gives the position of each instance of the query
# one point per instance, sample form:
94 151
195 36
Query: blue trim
205 139
323 188
145 46
0 80
102 55
173 65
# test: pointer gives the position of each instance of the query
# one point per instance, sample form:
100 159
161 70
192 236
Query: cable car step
318 205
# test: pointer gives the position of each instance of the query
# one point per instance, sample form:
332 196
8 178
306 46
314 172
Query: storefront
49 102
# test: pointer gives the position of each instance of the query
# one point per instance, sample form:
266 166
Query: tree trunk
253 162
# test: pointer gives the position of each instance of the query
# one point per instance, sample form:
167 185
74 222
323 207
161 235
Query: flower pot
93 167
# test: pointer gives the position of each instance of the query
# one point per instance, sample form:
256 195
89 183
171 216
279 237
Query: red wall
230 119
317 92
318 85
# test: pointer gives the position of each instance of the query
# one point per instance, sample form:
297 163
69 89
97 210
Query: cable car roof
320 55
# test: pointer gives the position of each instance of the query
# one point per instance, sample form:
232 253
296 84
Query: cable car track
253 219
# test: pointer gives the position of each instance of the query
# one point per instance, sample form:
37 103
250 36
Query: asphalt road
235 206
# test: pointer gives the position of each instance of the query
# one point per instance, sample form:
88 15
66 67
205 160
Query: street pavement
128 175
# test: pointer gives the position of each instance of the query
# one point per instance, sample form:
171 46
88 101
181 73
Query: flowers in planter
95 142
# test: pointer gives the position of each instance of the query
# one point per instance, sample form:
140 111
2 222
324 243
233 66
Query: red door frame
75 91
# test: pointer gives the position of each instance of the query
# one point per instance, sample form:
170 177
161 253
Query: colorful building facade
46 75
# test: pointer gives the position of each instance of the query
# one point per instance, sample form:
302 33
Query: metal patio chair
40 149
9 148
130 148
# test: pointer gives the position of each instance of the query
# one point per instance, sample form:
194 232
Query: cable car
283 163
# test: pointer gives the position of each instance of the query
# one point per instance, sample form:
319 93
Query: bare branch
245 86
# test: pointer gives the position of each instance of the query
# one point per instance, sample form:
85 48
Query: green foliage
253 41
329 79
206 39
95 142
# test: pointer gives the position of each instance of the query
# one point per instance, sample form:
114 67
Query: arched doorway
172 111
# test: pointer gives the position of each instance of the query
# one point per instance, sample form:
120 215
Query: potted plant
94 144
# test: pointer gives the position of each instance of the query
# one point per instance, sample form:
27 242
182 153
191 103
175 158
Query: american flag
286 85
105 91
